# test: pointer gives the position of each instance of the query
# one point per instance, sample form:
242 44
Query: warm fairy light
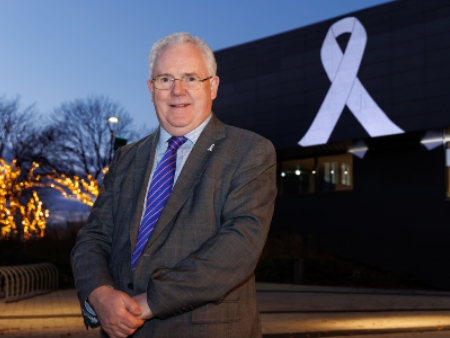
84 190
32 216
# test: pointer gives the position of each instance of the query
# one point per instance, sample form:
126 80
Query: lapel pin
211 147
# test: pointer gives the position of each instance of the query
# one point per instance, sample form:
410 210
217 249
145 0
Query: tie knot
176 142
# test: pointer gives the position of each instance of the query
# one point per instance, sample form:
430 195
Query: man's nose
178 88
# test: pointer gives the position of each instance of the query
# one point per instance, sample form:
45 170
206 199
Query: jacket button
130 286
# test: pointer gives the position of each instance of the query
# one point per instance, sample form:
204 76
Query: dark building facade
358 108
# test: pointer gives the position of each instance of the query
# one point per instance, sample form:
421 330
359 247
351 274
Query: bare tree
25 136
85 138
77 139
41 145
15 124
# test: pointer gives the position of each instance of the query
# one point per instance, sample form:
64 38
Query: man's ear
150 86
214 86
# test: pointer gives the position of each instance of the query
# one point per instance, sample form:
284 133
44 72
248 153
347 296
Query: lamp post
112 120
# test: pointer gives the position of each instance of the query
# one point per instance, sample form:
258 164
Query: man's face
181 110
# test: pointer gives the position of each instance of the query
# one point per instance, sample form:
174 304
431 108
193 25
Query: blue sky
53 51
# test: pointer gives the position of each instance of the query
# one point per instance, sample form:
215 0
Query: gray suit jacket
198 264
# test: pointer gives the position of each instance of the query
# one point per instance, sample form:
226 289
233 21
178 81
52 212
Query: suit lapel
191 174
141 174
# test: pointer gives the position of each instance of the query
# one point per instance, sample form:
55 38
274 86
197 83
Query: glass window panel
297 177
335 173
312 175
346 174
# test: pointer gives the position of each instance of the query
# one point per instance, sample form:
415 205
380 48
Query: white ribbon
346 89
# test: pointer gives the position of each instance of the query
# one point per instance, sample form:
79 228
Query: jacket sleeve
90 255
228 258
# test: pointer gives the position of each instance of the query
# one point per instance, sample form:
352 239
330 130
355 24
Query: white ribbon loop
346 89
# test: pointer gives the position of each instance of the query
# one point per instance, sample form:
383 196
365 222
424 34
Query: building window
346 174
318 174
297 177
335 172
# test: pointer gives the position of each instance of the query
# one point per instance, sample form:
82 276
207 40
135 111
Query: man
182 268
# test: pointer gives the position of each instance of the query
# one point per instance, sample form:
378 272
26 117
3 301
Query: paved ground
286 311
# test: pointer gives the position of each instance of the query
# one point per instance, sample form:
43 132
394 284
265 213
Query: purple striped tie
158 193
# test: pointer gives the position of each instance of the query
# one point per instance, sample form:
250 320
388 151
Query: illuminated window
335 172
312 175
346 174
329 172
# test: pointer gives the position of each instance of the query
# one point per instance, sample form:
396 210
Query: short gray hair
180 38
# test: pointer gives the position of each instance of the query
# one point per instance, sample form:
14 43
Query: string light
31 216
83 190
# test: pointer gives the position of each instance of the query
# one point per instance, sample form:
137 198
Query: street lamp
112 120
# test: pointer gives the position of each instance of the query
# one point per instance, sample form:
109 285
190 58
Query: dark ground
286 259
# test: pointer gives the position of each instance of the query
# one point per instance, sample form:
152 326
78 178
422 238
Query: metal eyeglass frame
182 81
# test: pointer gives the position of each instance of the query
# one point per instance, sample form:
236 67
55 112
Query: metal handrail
24 281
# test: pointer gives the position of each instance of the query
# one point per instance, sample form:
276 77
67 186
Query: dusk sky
54 51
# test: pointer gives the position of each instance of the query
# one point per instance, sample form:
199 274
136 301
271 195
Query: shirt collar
192 136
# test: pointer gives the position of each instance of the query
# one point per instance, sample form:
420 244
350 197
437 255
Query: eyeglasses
188 82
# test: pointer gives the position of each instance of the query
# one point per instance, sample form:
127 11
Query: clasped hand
119 314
